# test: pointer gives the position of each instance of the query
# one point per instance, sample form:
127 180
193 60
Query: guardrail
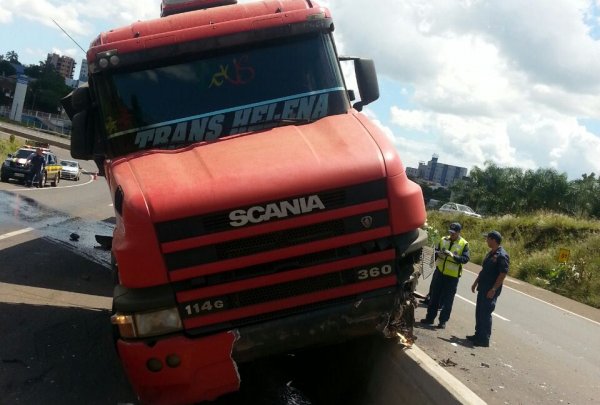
41 121
36 135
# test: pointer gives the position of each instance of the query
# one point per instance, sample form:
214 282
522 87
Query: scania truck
258 211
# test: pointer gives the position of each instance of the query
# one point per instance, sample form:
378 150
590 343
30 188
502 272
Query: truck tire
4 179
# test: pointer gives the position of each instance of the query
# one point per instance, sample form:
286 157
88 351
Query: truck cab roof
188 27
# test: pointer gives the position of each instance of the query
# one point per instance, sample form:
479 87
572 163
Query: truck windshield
291 81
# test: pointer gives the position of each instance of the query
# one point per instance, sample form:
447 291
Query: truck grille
195 308
204 298
271 241
190 227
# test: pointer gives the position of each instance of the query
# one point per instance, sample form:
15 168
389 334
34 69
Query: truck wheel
56 180
4 179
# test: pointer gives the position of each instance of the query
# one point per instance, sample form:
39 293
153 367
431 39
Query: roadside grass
533 243
9 146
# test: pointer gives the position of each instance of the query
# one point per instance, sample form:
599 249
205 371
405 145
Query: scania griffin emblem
367 221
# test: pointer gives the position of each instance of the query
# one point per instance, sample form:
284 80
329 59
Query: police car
17 167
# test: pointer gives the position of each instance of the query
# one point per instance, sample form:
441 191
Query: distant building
437 173
72 83
412 172
64 65
83 71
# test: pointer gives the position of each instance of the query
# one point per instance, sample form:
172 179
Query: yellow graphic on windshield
111 125
243 74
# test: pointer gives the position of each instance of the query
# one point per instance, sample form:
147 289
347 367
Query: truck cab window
224 93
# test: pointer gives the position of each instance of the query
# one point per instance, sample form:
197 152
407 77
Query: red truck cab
257 210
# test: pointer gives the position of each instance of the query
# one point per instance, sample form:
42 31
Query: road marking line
493 313
547 303
53 188
15 233
513 281
22 294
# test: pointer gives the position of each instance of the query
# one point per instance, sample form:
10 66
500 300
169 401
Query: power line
67 34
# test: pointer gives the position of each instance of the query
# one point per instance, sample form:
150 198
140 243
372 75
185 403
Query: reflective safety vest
447 265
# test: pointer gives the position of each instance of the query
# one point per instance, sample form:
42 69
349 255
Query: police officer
37 162
489 286
452 252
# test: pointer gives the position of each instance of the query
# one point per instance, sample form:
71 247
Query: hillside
533 242
9 146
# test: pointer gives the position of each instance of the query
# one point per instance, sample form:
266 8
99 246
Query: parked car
17 167
71 170
459 209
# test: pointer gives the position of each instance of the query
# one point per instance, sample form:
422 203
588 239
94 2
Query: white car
70 170
459 209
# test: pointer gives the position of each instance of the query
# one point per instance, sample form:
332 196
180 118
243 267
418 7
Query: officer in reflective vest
452 252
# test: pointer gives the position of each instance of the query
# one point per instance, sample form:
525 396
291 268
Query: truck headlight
147 324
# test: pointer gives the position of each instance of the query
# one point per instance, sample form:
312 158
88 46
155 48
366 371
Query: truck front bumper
182 369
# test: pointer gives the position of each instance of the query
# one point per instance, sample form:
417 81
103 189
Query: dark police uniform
37 165
493 264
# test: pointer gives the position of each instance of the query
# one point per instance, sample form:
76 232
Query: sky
512 82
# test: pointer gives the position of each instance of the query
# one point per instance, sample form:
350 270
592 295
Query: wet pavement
17 210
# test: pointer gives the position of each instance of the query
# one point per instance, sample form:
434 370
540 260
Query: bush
533 243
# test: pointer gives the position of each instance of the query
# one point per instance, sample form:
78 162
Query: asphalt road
545 348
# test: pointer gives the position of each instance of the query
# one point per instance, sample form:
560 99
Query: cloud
503 81
411 151
5 16
44 11
37 53
72 52
80 18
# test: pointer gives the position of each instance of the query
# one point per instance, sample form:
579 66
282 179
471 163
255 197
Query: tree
496 190
12 57
46 92
583 195
6 69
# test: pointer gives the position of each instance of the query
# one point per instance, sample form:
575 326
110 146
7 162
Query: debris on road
104 241
406 341
74 237
485 365
447 363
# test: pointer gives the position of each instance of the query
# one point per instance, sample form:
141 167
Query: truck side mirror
82 138
81 99
366 78
77 106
